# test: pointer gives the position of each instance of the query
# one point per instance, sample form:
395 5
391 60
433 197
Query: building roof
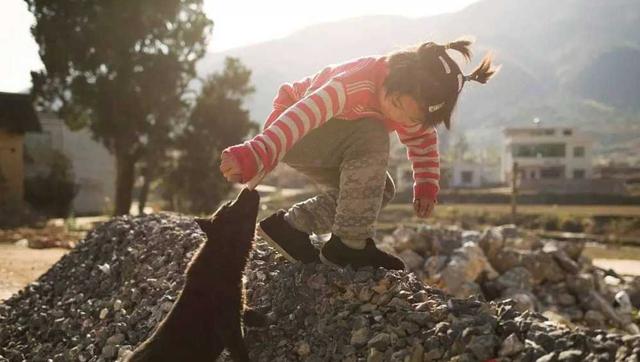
17 114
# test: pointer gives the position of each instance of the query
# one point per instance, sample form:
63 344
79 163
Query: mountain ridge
549 51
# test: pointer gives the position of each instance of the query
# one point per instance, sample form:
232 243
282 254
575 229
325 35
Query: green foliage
119 68
572 224
15 213
217 121
52 195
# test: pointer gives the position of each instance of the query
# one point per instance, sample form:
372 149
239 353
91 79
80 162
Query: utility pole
514 191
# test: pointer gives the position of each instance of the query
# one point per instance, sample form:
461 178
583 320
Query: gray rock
303 349
594 319
375 356
565 299
570 355
412 260
516 278
116 339
543 267
549 357
492 242
380 341
565 262
109 351
417 353
465 265
483 346
434 264
360 337
511 346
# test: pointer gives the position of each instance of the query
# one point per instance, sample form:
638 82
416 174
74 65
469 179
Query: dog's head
234 222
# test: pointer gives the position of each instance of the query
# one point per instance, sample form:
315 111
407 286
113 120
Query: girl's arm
288 94
422 151
263 152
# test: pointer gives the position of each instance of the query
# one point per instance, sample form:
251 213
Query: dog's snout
248 198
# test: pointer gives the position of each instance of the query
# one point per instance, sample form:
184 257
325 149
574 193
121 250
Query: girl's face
402 109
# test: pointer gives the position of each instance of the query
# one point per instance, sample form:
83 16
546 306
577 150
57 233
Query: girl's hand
230 168
424 207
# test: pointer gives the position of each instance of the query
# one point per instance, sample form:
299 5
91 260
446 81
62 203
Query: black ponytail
427 73
484 71
463 46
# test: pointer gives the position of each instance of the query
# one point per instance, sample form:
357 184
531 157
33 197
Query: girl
333 127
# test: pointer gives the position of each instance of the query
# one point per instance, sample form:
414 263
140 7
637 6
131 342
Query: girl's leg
348 159
362 185
317 214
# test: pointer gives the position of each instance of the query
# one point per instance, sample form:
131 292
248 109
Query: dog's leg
234 342
253 318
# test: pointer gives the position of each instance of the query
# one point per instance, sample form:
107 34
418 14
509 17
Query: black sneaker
293 244
335 253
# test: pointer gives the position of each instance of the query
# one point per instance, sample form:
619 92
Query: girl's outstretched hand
423 207
230 168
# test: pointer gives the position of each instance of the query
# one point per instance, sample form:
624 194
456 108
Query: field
621 223
560 210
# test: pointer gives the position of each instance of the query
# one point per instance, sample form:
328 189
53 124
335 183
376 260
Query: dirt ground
620 266
20 265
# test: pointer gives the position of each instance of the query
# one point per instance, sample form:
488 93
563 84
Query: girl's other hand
423 207
230 168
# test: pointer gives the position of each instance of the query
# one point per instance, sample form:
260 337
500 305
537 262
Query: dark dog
208 314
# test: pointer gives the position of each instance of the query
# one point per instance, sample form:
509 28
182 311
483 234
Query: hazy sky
237 23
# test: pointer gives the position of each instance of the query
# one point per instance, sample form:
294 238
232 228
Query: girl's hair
429 75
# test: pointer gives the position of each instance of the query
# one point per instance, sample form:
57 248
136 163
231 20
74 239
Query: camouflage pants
348 160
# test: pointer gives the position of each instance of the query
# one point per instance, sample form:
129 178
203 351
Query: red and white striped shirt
346 91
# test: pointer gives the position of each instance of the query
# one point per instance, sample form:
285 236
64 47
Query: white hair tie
435 107
445 65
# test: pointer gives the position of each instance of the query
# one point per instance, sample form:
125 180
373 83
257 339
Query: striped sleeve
264 151
422 151
288 94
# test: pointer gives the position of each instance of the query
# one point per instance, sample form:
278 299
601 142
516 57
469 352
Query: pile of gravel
548 276
322 314
105 297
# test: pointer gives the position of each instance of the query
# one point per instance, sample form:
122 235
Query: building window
552 173
567 132
467 177
578 174
539 150
578 151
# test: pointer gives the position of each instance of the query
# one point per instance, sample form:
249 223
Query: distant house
17 117
552 159
93 166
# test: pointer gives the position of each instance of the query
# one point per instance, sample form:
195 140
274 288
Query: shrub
14 213
572 224
53 193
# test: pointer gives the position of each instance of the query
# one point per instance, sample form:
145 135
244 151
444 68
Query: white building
553 160
547 153
93 167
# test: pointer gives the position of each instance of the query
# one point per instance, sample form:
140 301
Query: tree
217 121
119 68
